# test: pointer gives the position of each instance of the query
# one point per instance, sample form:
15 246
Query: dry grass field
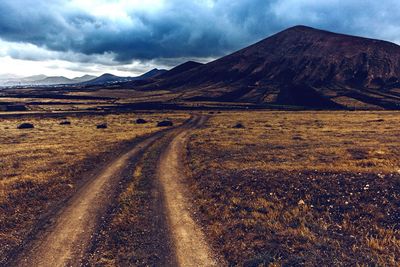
41 167
299 188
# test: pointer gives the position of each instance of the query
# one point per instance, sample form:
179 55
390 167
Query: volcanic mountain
189 65
299 66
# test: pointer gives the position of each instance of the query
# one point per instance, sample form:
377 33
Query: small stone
102 126
239 126
26 125
141 121
165 123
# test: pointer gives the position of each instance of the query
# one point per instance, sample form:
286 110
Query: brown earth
191 247
42 168
66 240
134 232
254 217
71 233
298 188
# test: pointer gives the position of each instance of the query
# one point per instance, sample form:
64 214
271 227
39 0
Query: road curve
191 248
66 241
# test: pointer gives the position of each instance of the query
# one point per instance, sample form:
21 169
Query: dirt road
66 241
191 248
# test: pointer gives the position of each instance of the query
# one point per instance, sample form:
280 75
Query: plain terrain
42 167
294 188
268 188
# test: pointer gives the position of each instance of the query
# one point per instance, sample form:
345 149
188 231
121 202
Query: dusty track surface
66 241
191 248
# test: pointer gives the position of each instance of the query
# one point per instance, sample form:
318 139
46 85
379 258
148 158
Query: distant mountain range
300 66
88 80
43 80
112 79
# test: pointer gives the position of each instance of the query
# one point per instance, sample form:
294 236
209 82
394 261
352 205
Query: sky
129 37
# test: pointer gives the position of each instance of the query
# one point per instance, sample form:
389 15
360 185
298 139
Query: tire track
191 248
66 241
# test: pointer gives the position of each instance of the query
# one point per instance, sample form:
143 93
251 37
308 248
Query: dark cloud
184 29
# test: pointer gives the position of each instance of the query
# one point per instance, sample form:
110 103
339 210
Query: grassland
41 167
299 188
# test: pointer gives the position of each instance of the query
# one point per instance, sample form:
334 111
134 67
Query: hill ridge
301 66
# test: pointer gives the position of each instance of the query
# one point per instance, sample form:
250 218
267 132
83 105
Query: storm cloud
125 31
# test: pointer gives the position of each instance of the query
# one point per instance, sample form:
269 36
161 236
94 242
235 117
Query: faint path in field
65 243
191 248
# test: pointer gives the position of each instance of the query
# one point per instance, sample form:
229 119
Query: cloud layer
122 31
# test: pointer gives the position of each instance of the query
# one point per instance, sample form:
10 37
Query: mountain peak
107 75
192 62
301 28
300 66
152 73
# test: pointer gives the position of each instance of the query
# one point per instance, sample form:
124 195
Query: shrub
141 121
165 123
239 126
102 126
26 125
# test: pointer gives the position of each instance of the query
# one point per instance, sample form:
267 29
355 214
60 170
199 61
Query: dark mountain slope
189 65
105 79
298 66
152 74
